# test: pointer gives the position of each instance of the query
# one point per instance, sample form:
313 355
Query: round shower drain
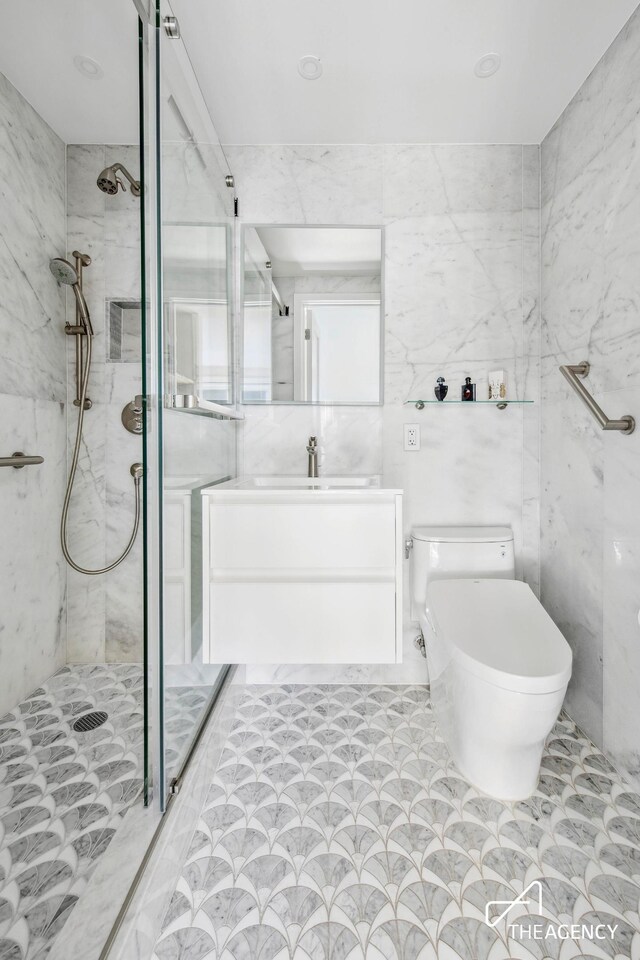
89 721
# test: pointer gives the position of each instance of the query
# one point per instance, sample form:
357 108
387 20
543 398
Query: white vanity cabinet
302 574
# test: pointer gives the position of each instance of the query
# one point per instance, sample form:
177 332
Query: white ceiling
394 70
38 41
300 251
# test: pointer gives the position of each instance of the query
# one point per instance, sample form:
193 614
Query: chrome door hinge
307 334
408 547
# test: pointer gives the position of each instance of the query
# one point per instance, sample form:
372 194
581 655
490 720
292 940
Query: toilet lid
500 631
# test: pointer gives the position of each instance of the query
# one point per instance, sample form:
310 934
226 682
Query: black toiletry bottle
468 389
440 389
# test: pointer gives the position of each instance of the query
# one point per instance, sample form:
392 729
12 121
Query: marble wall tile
273 440
105 612
32 163
32 570
339 184
429 179
590 261
32 402
453 287
621 591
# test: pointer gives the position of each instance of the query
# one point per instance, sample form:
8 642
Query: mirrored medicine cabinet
311 315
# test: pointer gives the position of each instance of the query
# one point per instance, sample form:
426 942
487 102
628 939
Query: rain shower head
109 181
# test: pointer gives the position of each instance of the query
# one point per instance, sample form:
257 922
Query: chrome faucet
312 450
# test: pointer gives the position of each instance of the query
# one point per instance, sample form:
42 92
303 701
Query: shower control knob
132 419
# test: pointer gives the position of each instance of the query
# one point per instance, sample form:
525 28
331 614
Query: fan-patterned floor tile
338 828
63 794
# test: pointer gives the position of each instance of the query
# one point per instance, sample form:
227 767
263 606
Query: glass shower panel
195 358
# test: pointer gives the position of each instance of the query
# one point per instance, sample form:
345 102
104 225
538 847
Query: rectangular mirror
312 315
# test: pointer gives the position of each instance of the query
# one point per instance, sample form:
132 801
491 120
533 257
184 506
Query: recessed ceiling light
88 67
310 67
487 65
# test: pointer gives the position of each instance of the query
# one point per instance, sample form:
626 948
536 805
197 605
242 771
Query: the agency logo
509 905
536 929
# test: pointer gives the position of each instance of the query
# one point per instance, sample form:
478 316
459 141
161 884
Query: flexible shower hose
136 471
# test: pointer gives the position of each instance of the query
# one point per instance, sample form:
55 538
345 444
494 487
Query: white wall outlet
412 436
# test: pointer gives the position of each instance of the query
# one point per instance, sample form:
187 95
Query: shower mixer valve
132 415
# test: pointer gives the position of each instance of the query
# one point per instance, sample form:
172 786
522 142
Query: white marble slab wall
104 612
32 398
461 296
591 479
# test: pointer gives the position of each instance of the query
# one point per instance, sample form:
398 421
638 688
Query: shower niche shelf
190 403
500 404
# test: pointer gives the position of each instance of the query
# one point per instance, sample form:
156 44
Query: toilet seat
499 631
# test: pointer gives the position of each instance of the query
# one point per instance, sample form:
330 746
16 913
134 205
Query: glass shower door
195 363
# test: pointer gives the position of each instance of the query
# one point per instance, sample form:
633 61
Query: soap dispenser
468 389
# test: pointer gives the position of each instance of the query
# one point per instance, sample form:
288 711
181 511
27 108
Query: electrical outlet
412 436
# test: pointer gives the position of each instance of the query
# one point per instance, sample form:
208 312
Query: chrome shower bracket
132 419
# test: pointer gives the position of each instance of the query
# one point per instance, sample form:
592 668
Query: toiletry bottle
468 389
441 389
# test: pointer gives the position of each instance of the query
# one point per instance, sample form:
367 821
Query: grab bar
19 460
571 372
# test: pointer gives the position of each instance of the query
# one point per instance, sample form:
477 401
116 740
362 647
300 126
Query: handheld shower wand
71 276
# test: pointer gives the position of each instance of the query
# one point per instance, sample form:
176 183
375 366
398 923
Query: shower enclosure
117 409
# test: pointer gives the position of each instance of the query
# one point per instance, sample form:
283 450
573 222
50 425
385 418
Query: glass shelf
500 404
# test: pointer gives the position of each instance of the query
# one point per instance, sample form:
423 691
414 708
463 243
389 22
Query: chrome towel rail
19 460
571 372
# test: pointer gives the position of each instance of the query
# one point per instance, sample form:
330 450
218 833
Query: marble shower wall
32 398
591 480
104 613
461 298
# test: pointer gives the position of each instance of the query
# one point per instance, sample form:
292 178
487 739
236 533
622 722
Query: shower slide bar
19 460
571 372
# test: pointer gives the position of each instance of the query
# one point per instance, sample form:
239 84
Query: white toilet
498 665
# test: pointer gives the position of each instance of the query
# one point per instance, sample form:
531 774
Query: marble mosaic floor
62 797
63 794
337 828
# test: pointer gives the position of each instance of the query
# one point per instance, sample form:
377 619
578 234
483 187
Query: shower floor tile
62 796
338 828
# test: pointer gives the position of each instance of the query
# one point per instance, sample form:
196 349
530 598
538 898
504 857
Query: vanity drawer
302 535
253 622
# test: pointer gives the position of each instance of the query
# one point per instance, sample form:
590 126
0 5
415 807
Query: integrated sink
300 483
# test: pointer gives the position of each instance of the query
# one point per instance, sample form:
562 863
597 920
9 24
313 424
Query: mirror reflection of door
337 345
312 315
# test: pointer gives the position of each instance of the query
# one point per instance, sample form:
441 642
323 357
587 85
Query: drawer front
291 536
302 623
